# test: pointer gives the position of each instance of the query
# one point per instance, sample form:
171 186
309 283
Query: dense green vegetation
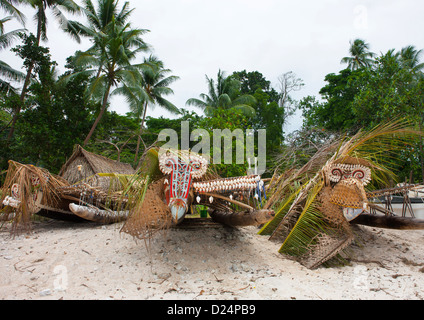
44 114
372 90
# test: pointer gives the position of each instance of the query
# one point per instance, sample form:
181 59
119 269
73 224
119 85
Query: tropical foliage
224 94
360 55
40 17
43 114
386 88
7 72
115 46
148 89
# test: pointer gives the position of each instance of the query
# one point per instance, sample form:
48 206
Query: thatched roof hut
84 166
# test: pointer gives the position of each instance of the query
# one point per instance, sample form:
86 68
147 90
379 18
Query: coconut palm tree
109 62
360 55
41 6
114 45
149 91
9 6
225 95
100 18
6 71
57 7
99 21
410 58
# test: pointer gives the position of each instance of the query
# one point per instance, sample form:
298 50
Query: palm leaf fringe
29 182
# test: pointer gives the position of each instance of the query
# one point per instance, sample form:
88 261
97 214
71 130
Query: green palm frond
10 73
245 109
381 147
64 24
224 101
6 39
167 105
307 227
97 87
167 81
122 179
136 191
150 163
125 12
245 99
281 212
9 6
7 89
224 94
196 102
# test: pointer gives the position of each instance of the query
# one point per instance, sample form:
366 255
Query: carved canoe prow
96 215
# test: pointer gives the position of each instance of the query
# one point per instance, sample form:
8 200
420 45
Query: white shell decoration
227 184
168 159
341 171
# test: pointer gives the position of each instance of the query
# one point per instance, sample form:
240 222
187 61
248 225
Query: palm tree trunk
27 80
26 83
99 117
21 102
139 136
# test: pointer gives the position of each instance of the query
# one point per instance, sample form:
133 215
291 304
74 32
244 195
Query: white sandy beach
62 260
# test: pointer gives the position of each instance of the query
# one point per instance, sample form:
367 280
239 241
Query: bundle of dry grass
29 187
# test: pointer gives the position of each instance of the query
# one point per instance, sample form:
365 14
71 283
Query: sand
67 261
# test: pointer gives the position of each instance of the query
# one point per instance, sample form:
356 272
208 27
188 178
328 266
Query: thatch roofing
91 164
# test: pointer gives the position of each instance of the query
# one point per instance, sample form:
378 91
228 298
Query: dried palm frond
281 212
148 211
30 186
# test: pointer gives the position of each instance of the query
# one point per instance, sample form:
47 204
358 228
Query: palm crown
115 45
360 55
224 95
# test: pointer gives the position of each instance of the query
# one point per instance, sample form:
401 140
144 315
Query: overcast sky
195 38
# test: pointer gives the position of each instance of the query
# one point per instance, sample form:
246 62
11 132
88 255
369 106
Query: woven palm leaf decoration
169 178
148 213
313 204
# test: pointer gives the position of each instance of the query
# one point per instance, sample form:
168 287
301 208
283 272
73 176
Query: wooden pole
242 219
389 222
214 195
